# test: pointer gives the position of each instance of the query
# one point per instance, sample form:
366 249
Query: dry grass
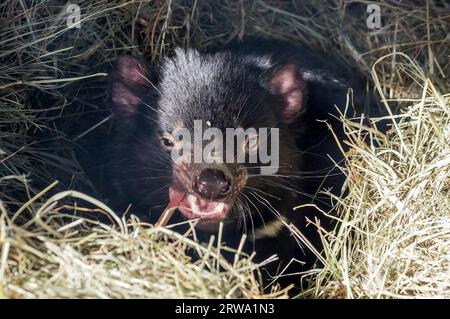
60 254
393 239
394 235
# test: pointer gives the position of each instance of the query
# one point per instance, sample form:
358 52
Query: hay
394 234
59 254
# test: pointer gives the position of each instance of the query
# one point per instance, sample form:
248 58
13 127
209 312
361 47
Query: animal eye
166 143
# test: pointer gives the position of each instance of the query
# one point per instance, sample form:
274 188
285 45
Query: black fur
232 88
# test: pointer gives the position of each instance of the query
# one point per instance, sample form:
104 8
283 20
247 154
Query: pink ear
288 85
131 79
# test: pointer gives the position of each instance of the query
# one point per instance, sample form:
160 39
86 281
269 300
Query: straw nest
393 239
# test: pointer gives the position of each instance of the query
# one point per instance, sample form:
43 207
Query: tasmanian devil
277 95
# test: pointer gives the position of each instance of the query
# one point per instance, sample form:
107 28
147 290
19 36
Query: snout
206 191
212 184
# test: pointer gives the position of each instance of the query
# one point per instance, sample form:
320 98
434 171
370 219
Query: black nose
212 184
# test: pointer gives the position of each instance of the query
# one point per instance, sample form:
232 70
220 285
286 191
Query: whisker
251 215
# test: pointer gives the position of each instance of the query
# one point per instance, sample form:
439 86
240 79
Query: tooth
192 200
219 207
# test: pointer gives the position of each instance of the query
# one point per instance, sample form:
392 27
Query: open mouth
193 207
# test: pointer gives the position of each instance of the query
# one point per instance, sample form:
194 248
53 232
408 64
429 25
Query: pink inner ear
130 81
132 71
124 99
288 84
